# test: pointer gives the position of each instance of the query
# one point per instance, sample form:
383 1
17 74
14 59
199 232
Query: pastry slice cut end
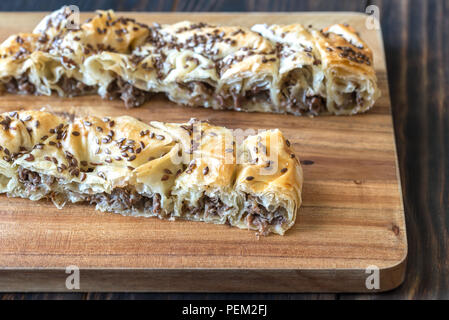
270 187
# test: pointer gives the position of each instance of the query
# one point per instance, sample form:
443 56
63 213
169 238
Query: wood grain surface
415 34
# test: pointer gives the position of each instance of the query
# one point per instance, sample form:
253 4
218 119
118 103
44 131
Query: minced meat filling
205 91
199 92
349 100
73 87
118 199
135 97
125 199
132 96
70 86
19 86
257 94
198 88
117 89
303 103
207 207
258 216
214 206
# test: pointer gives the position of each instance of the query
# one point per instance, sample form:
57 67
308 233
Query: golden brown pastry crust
191 171
282 69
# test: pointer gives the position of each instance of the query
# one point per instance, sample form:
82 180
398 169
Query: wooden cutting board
352 216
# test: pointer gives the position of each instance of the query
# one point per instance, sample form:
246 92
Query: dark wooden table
416 35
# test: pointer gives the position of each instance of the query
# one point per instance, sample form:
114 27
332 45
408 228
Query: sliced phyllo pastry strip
279 68
193 171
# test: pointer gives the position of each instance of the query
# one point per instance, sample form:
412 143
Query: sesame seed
249 178
101 175
284 170
205 170
76 133
75 172
164 177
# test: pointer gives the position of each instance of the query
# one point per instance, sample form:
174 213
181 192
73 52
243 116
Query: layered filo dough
194 171
281 69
